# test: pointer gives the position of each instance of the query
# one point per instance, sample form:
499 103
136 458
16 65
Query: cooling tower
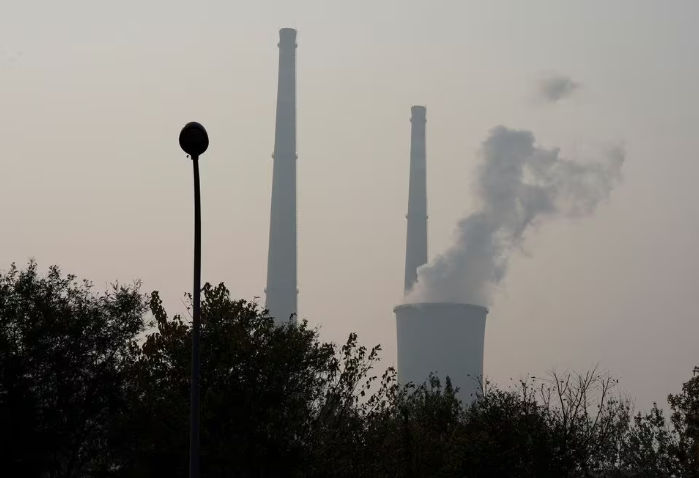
445 339
281 262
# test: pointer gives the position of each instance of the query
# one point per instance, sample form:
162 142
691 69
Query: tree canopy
96 384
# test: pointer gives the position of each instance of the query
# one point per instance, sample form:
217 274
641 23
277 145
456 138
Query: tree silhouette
272 396
62 355
91 385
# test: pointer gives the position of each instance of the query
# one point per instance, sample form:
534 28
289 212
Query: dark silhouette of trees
62 351
270 394
685 421
97 385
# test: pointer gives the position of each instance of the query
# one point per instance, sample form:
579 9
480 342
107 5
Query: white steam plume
518 185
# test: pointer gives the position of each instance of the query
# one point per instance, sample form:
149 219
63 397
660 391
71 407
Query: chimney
281 262
416 240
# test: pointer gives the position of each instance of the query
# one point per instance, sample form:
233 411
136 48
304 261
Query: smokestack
416 237
281 262
445 339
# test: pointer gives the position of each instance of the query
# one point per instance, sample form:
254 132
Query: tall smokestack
416 238
281 262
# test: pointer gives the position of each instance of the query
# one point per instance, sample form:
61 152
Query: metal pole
194 141
196 324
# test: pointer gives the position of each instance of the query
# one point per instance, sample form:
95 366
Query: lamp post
194 141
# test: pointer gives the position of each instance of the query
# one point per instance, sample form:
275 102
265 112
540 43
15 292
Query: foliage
685 420
62 349
275 400
650 447
89 387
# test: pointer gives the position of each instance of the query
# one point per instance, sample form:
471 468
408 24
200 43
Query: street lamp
194 141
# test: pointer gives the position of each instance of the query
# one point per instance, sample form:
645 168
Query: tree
62 353
587 420
565 425
685 420
650 447
275 400
90 388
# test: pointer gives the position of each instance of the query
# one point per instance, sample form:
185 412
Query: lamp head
193 139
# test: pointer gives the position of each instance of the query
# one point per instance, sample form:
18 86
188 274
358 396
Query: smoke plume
518 185
556 88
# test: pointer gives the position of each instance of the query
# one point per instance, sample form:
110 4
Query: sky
93 96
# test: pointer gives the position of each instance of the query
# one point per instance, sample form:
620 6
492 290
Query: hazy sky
93 95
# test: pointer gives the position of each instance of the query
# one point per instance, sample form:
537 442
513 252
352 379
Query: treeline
97 384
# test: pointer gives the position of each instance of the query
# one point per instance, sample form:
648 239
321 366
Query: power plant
442 338
281 290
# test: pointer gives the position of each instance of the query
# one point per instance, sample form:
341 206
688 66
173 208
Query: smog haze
93 96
